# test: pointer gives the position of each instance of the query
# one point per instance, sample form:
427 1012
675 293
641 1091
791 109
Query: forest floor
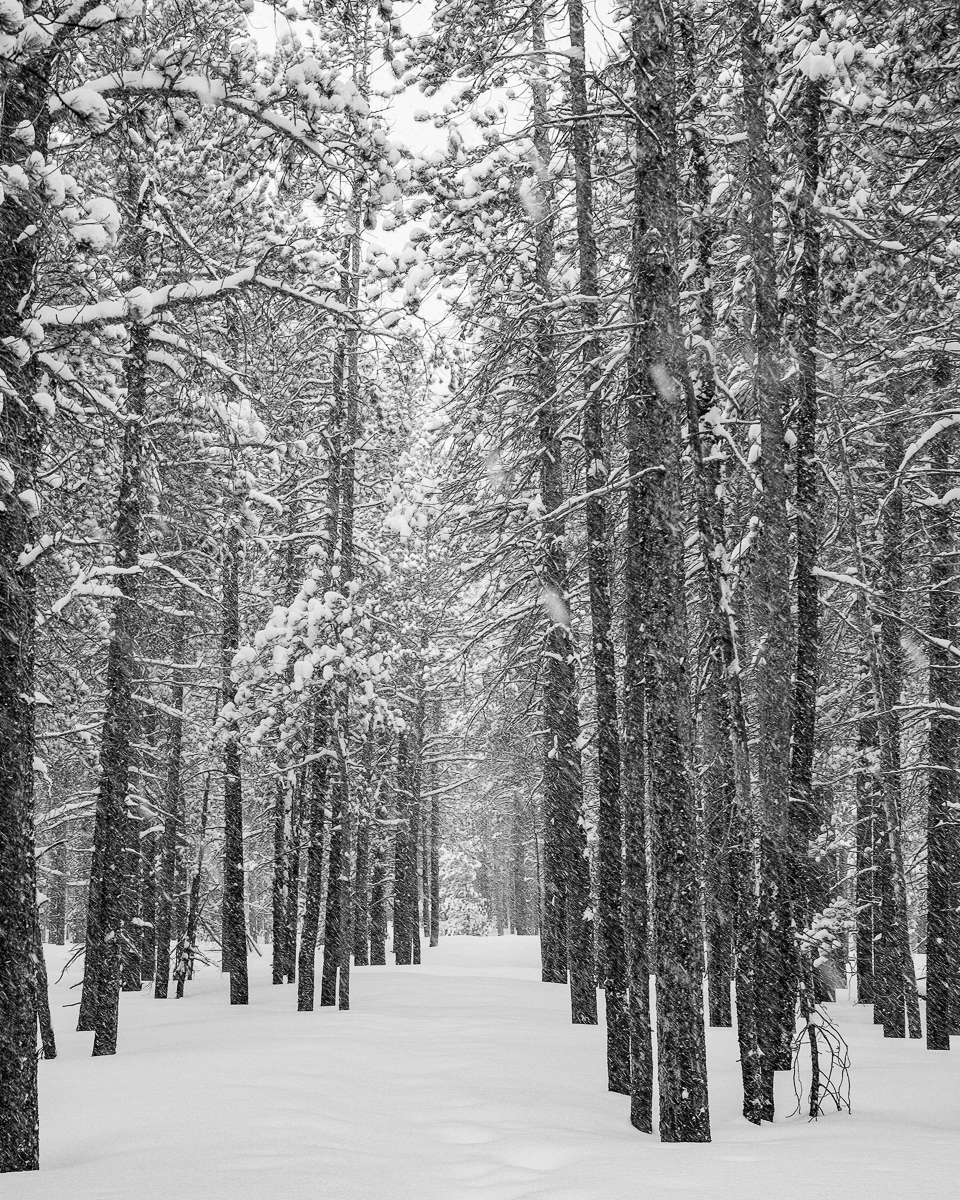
461 1078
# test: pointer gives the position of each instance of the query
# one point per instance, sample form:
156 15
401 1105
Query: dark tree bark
612 953
654 368
635 882
294 841
519 885
868 809
172 825
148 904
435 865
315 827
131 948
361 885
943 826
723 727
378 879
41 997
56 885
897 996
279 885
333 924
806 815
108 924
406 924
778 963
233 920
25 95
566 933
346 876
186 947
425 872
893 977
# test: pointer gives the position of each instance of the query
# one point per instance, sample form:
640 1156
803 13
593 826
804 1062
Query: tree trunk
186 948
612 954
361 886
894 978
56 914
172 825
25 95
279 884
720 692
806 816
777 958
435 865
378 879
868 809
313 889
943 843
333 924
567 933
654 367
233 921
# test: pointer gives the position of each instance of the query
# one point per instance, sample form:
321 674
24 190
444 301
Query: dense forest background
490 468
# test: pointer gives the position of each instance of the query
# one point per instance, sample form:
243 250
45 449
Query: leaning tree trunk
655 365
612 953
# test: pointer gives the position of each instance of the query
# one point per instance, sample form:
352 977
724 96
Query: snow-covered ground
461 1078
